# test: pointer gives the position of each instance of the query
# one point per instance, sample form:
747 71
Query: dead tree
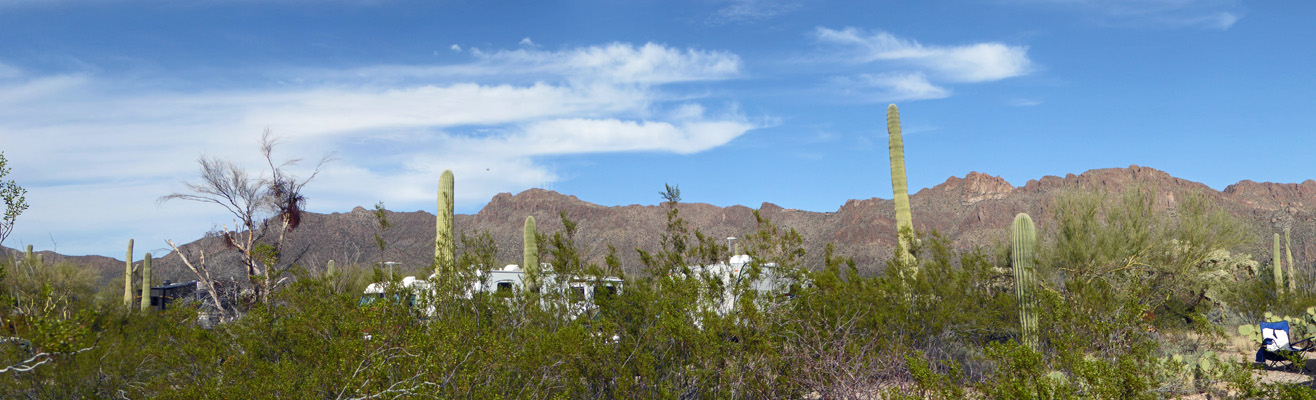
259 204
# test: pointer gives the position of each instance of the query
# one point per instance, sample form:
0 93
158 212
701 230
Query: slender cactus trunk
128 277
146 282
1023 241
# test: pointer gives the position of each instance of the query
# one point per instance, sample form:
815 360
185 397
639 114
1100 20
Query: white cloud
577 135
526 42
619 63
903 86
455 47
1209 14
746 11
614 64
891 68
979 62
1023 102
105 149
1221 20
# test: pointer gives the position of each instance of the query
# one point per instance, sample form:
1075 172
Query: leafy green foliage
13 197
1124 248
1128 302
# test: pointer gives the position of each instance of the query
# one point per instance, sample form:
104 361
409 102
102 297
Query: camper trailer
770 283
509 281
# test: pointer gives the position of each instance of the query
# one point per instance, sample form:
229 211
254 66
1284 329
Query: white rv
770 284
509 281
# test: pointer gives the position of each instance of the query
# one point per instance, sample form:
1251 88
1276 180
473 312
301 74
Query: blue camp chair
1276 347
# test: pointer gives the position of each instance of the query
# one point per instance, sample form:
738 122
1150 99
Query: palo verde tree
264 207
15 203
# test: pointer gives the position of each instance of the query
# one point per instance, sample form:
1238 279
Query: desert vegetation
1108 295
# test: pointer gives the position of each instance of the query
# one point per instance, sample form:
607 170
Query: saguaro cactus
146 282
1023 240
128 277
445 249
331 270
530 255
1277 267
1288 257
899 188
29 257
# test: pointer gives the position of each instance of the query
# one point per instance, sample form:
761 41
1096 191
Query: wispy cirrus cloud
1022 102
495 120
901 86
614 64
1206 14
747 11
909 70
978 62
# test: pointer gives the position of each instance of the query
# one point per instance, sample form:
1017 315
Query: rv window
505 288
370 298
605 291
577 293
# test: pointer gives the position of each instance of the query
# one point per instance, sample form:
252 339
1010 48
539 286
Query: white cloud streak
108 148
748 11
1207 14
904 86
979 62
908 70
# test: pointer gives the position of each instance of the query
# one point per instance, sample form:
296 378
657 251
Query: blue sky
106 105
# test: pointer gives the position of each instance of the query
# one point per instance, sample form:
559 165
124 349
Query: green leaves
13 197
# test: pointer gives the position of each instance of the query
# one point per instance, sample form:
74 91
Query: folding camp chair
1275 346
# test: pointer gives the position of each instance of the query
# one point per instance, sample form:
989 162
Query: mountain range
975 210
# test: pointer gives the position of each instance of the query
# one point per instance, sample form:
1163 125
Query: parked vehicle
577 291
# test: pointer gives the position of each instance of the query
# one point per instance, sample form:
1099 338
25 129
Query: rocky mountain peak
975 187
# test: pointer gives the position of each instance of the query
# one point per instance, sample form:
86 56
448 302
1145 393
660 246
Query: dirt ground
1244 351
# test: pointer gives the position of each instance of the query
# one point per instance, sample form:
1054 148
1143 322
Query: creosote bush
1123 287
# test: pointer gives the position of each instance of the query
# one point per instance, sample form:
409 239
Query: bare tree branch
202 274
36 360
254 201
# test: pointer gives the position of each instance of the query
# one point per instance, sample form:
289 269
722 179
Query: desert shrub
1127 287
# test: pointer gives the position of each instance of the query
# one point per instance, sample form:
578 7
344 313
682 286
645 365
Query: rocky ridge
974 210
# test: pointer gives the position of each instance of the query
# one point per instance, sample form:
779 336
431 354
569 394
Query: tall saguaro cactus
1023 241
530 254
29 257
445 248
899 188
1288 256
1277 267
128 277
146 282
